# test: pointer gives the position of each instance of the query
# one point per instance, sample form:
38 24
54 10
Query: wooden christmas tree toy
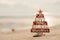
40 25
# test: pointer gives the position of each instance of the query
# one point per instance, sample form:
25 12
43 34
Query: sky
29 7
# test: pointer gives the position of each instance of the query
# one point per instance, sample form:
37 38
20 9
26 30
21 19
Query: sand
27 35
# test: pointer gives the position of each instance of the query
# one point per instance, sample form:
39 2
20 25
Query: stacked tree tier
40 25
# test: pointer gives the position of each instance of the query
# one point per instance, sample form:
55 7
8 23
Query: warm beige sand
27 35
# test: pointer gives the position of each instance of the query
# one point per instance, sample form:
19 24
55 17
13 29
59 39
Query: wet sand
27 35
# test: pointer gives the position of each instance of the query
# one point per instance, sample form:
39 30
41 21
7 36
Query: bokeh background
19 14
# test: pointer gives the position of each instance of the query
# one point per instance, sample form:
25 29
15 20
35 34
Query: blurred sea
24 22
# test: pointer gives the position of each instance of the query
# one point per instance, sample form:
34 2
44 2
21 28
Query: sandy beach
17 17
22 29
27 35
